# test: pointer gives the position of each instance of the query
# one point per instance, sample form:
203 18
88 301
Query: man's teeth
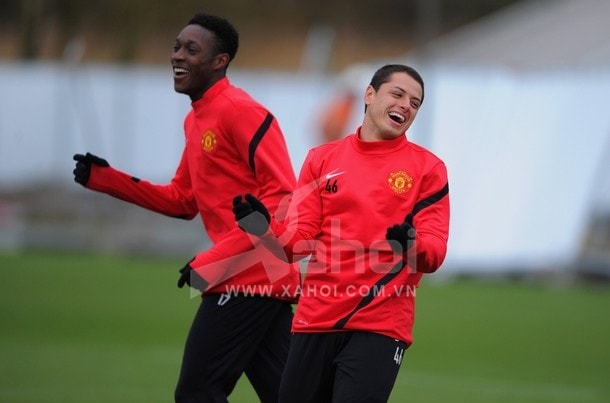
397 117
180 70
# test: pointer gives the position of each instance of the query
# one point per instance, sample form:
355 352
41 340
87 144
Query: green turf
80 328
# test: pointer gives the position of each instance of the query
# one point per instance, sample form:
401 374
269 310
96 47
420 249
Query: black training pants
230 336
341 367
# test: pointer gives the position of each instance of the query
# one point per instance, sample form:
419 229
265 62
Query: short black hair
382 76
226 34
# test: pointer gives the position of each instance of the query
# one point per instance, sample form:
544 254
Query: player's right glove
251 214
402 236
82 171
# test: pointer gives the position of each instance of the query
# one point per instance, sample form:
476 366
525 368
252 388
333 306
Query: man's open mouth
180 71
397 117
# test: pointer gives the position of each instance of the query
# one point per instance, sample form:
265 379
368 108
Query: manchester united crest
400 182
208 141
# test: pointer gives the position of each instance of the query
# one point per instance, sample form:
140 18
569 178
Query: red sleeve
260 142
431 222
215 266
174 199
294 238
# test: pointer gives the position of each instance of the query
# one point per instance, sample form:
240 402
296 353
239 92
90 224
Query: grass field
81 328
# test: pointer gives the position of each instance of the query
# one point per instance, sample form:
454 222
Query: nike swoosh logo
331 175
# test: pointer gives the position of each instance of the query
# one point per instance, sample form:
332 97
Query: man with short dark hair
232 143
372 210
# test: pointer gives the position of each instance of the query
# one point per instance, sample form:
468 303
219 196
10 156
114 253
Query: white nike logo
332 174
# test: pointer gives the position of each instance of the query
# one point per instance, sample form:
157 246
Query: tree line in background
131 31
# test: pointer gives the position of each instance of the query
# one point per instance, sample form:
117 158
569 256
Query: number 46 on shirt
331 188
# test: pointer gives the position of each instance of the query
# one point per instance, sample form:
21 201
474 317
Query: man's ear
222 61
368 96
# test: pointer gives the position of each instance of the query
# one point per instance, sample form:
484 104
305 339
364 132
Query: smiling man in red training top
372 209
231 143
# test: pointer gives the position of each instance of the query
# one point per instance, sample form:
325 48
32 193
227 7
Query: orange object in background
336 116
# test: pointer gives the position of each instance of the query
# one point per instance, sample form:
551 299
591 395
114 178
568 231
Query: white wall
527 152
131 116
528 158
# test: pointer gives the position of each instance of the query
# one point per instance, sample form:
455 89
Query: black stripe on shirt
256 139
422 204
376 289
367 299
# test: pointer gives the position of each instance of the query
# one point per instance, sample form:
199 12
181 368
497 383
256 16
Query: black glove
401 236
190 277
83 166
251 214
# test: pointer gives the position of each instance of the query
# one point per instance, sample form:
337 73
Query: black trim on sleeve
376 289
256 139
422 204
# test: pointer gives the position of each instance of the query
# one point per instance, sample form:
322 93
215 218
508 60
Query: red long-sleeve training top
233 146
349 192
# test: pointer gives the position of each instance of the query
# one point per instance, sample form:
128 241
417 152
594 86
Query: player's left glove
251 214
190 277
401 236
82 171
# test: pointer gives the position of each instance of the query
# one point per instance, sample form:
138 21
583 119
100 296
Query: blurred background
516 104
